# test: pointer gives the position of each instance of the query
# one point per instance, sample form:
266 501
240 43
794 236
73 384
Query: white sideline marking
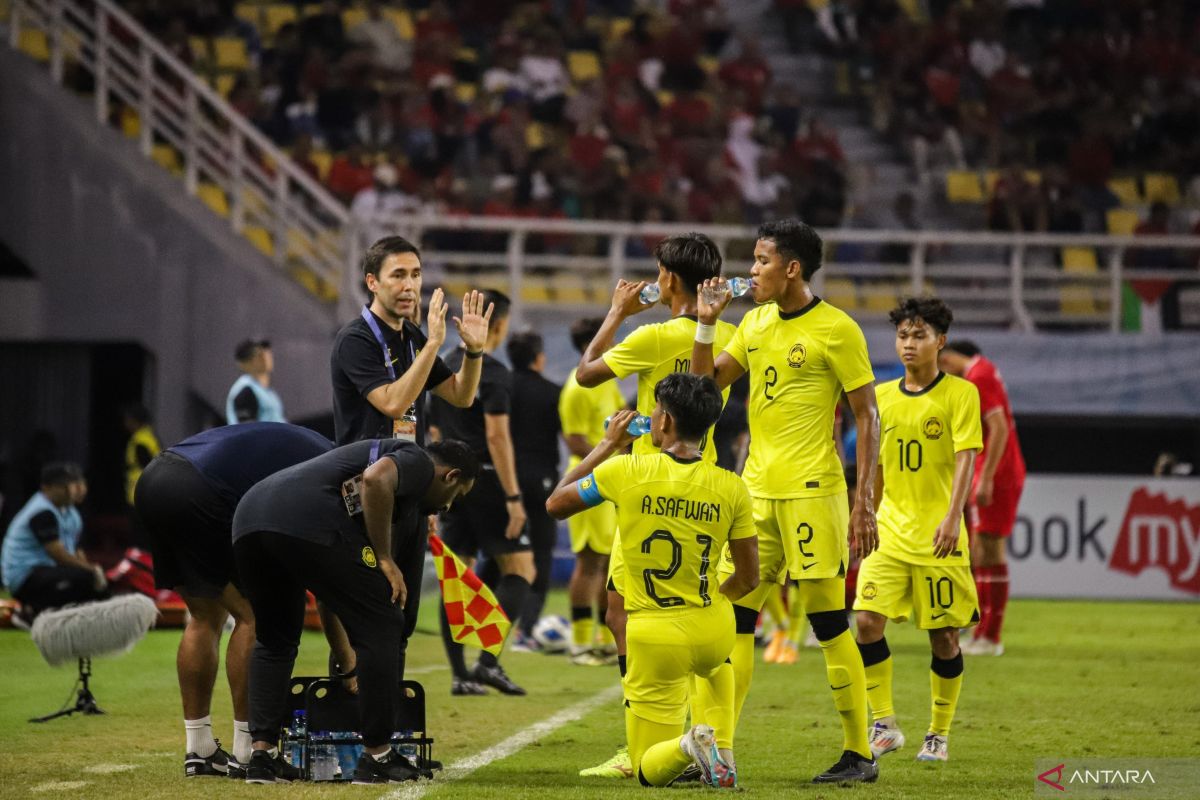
109 769
59 786
518 741
426 669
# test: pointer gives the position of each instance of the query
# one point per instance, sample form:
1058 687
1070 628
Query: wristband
706 334
476 354
513 498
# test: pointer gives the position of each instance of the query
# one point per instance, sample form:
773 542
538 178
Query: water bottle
323 762
347 753
638 426
650 294
297 733
735 286
408 750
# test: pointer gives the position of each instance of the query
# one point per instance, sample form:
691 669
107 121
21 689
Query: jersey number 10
648 575
909 461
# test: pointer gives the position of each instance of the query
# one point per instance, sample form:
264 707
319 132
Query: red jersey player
995 493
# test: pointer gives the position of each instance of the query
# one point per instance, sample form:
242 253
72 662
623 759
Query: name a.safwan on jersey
700 510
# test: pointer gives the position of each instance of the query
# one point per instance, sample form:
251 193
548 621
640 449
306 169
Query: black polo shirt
493 397
306 500
535 425
357 366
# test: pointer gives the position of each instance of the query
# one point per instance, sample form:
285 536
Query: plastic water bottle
323 762
297 732
638 426
347 753
408 750
735 286
650 294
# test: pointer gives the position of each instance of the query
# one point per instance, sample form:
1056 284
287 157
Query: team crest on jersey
797 356
869 591
368 557
933 428
586 483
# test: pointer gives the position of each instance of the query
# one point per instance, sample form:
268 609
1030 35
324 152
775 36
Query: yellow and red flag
474 614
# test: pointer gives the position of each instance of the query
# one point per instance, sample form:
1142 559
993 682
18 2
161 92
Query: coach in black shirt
327 526
535 430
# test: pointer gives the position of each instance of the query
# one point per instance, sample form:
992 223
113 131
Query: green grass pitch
1079 679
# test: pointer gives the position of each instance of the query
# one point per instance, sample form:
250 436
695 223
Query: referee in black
326 526
492 520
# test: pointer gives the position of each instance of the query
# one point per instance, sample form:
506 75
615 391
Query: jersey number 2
648 575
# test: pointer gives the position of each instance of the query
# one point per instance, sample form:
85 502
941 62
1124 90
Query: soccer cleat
983 646
690 775
771 653
265 768
237 770
885 739
497 678
850 768
393 769
464 687
934 748
788 653
725 770
700 744
523 643
619 766
586 657
195 766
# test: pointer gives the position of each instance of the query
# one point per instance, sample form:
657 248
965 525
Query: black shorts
476 522
190 526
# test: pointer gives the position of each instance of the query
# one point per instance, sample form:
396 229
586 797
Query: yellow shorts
594 529
805 538
616 566
665 648
942 595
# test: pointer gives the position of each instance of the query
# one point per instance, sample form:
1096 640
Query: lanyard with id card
352 489
405 426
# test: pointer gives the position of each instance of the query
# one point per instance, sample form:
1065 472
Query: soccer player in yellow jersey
801 353
583 412
651 352
931 435
676 512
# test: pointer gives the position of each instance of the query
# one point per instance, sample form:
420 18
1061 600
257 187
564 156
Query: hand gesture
626 301
436 322
473 326
984 491
616 434
516 519
864 535
708 313
392 573
946 537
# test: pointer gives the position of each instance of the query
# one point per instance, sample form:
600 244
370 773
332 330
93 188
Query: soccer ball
553 633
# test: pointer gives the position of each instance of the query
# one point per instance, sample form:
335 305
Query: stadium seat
200 52
230 54
1161 187
535 136
310 9
963 187
466 92
1126 190
841 293
584 65
131 123
323 159
34 44
277 15
1080 260
250 13
710 64
352 17
1076 299
880 297
260 238
619 27
466 55
224 84
1121 221
212 196
402 21
167 157
913 9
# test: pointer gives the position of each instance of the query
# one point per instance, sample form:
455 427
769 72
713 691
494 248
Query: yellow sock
848 682
796 618
945 683
877 662
654 750
742 659
605 636
776 608
582 631
714 698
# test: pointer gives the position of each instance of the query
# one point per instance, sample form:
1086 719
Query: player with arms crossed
802 353
922 567
676 512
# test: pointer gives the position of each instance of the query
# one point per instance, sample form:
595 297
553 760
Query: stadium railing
189 129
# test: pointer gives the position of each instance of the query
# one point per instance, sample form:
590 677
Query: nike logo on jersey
885 430
836 688
751 349
938 616
806 566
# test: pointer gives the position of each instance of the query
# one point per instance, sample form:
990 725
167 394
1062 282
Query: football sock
848 682
877 663
945 683
712 703
241 742
983 588
200 737
511 591
654 750
583 627
742 659
999 601
604 635
454 650
796 618
776 608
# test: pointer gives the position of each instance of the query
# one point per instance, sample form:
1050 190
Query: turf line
518 741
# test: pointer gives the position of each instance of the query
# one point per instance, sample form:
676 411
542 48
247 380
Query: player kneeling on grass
676 513
931 435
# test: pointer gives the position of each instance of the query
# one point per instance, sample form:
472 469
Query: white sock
199 736
241 742
384 756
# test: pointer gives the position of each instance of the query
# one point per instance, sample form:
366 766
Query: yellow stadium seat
230 52
299 244
841 293
817 5
212 196
312 9
1077 299
249 12
913 9
1126 190
466 92
224 84
260 238
584 65
402 21
34 44
619 27
880 297
277 15
710 64
665 97
963 187
199 48
1081 260
467 55
353 17
168 158
323 159
1121 221
1033 176
1161 187
535 136
131 124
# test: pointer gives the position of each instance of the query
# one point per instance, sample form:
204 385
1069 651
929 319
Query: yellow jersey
675 517
799 365
654 351
142 444
583 411
920 433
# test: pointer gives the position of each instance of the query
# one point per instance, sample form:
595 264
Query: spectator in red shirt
350 173
749 72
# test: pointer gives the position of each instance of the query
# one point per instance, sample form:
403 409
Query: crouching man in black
326 526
